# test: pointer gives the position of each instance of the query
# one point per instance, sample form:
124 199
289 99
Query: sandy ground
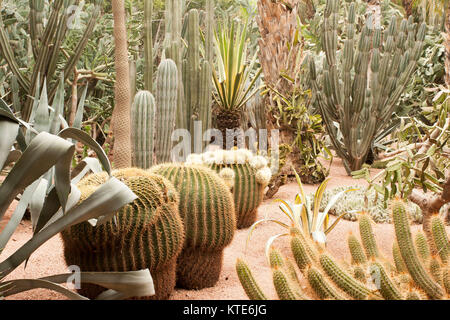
49 259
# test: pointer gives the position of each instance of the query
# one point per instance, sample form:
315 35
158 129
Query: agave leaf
105 201
37 200
58 107
17 215
21 285
43 152
334 224
317 200
42 117
77 134
286 208
300 186
86 165
270 242
8 131
80 110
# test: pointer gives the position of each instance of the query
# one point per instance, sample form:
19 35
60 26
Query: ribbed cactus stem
248 282
446 279
342 279
356 250
360 274
440 238
368 237
321 286
422 246
398 260
143 119
166 102
148 45
283 286
301 256
409 254
383 282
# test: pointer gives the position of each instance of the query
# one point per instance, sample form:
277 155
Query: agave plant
306 216
59 208
234 78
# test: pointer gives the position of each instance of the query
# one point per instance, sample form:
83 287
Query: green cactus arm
248 282
148 45
360 274
398 260
383 282
342 279
440 238
321 286
368 237
446 279
435 270
422 246
356 250
409 254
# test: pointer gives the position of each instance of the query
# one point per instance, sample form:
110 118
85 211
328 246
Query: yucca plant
305 215
60 208
235 77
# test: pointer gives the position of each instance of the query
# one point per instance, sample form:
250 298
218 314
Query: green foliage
233 72
58 211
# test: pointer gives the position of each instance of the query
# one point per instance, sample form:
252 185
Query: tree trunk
447 45
121 120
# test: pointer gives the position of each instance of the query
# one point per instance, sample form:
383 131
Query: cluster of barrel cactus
415 273
148 233
178 234
247 175
207 209
361 199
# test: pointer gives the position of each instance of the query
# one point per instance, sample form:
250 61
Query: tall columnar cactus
207 209
166 102
422 246
149 232
197 72
360 91
383 282
148 45
247 174
143 119
409 253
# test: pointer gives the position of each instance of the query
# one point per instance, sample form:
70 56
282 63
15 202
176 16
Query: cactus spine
356 250
368 237
143 118
248 282
149 233
440 238
409 254
207 210
166 101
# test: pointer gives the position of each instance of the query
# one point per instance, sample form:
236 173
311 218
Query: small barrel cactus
207 209
148 233
246 174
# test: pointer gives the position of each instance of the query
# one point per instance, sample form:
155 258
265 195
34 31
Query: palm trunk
447 45
121 120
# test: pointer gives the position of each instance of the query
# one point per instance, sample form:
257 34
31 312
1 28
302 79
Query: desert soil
49 259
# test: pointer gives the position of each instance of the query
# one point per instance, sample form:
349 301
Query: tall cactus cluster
154 121
247 175
148 233
360 85
414 275
207 210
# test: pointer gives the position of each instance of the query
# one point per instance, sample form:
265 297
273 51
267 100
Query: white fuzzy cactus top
235 156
